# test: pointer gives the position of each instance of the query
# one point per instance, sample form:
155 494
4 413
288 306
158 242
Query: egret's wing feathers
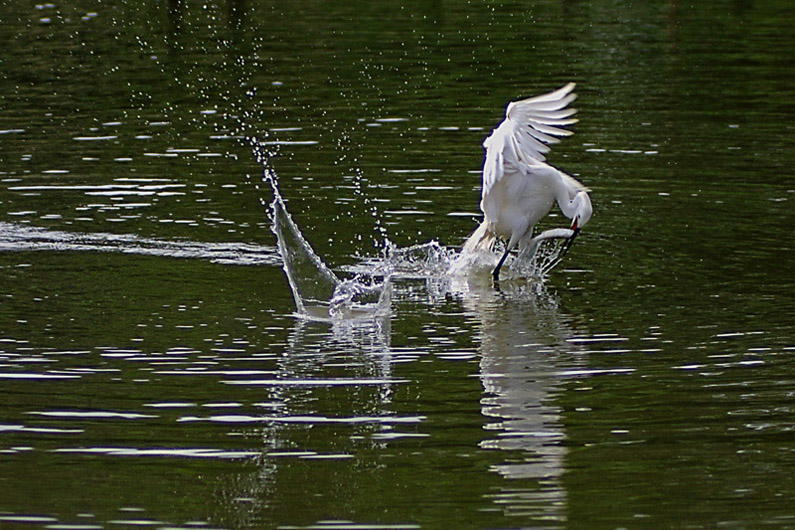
554 96
493 167
543 115
537 121
551 129
530 126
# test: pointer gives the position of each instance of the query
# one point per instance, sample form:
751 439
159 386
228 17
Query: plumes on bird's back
573 184
481 239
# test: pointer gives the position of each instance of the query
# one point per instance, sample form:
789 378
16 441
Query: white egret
519 188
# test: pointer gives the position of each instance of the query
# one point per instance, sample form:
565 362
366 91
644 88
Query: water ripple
317 382
38 430
19 238
312 420
98 414
182 452
32 376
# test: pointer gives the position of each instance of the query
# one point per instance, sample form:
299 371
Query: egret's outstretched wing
537 121
524 136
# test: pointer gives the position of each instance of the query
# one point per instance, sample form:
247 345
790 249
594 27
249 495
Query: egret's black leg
496 272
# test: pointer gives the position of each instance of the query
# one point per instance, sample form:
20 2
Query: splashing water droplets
319 294
544 252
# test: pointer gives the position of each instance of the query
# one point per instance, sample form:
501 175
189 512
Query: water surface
152 367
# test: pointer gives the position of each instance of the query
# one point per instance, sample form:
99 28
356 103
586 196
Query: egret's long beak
570 241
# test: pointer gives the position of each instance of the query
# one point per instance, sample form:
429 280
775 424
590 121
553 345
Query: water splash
420 261
544 252
318 292
532 262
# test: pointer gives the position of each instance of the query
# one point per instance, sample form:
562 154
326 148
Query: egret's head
582 210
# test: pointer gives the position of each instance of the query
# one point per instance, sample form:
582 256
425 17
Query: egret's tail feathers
480 240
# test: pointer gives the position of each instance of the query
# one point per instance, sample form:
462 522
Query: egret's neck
565 198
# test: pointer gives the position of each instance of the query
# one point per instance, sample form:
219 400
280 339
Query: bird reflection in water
524 357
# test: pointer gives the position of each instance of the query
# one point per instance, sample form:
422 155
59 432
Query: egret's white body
519 188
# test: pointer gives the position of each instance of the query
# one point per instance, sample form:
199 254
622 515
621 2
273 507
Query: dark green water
152 372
